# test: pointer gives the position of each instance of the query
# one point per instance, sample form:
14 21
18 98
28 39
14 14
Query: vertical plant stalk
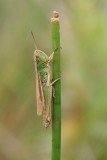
56 110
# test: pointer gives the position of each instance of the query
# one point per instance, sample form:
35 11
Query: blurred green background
83 28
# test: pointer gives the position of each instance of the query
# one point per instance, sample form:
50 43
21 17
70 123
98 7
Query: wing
39 92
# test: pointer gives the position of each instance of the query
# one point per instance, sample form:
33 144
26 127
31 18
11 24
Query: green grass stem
56 111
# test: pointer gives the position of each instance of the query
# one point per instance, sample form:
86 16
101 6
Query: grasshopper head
40 55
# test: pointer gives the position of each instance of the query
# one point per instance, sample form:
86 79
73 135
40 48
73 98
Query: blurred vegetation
84 79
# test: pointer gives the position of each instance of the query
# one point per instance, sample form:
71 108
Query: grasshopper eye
36 53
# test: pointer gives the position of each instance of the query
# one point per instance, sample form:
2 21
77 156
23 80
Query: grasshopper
44 84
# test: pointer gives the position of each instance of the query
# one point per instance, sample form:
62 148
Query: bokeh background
83 28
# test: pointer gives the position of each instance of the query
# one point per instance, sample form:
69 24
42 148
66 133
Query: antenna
34 39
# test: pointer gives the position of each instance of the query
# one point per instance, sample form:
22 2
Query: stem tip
55 16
